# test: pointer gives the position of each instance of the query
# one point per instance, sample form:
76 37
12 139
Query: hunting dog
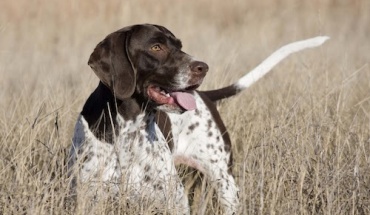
146 116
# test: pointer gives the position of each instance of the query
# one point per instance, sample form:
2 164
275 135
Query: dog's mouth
173 97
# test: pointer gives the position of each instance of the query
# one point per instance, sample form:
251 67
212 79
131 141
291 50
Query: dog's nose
199 67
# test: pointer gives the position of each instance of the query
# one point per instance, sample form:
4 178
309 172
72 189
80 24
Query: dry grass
301 135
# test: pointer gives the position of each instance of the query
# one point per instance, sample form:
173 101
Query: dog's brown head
146 62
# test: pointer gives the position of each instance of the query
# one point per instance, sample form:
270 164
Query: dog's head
146 61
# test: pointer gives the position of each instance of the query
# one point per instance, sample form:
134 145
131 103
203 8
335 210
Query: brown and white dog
146 116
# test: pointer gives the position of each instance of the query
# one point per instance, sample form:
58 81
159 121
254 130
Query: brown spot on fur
193 126
210 146
213 161
158 187
88 157
220 148
147 178
209 124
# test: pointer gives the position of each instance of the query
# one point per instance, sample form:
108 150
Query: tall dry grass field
301 135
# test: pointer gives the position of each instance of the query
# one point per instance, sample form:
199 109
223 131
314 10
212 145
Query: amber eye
156 48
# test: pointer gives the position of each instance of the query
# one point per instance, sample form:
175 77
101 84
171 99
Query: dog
146 116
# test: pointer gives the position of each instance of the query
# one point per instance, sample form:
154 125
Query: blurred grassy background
301 135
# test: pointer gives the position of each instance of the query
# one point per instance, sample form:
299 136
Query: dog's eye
156 48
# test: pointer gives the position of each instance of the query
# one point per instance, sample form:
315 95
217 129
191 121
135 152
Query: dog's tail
263 68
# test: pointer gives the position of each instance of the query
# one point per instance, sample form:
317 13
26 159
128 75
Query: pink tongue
185 100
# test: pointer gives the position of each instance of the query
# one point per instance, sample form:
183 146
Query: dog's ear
111 63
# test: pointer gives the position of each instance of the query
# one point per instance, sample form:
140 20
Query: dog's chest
140 144
139 153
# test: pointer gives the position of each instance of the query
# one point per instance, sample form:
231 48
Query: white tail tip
276 57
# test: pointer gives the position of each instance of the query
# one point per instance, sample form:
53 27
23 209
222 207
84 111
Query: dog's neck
101 110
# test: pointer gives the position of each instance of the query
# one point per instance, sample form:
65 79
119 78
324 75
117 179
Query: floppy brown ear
111 63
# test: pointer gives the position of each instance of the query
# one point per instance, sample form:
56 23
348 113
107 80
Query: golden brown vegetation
301 135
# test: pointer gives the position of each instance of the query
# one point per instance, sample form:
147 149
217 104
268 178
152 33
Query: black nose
199 67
